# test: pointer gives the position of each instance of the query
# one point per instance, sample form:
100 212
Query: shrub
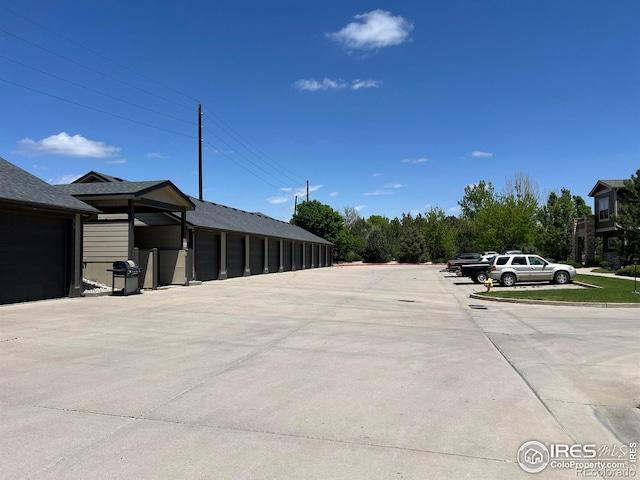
573 263
629 271
605 264
353 257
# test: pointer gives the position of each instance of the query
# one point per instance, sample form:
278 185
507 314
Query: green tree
628 219
476 198
439 234
411 247
377 249
319 219
555 237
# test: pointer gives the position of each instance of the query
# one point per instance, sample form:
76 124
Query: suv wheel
561 278
481 277
508 280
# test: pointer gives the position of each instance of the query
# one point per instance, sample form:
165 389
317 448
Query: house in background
41 231
606 196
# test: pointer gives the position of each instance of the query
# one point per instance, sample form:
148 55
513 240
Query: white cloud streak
116 162
291 193
64 179
376 174
394 185
373 30
333 194
370 83
480 154
357 208
415 161
313 85
66 145
157 155
378 192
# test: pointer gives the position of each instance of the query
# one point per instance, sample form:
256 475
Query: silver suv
509 269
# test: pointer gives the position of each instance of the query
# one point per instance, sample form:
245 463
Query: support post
223 256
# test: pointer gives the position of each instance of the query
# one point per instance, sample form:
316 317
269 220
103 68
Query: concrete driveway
338 373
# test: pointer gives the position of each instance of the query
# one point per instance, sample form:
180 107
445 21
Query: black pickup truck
478 272
462 259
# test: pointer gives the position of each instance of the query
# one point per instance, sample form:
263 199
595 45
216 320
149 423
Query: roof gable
606 185
93 176
21 187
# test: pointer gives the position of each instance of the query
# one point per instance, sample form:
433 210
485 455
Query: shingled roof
614 184
20 187
219 217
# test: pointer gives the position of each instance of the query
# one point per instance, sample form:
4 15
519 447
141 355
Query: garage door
256 260
36 261
298 258
274 255
207 254
308 256
287 256
235 256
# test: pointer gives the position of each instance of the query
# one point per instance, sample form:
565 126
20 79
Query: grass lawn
614 290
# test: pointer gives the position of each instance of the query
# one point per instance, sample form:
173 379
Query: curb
559 303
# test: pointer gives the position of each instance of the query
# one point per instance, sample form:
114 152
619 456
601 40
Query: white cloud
116 162
370 83
333 194
378 192
394 185
278 200
376 29
454 210
157 155
291 193
376 175
64 179
357 208
66 145
313 85
415 160
479 154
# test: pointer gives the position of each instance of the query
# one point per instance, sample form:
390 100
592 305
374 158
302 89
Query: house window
603 208
612 243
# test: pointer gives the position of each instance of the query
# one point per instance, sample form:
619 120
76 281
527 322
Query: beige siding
106 242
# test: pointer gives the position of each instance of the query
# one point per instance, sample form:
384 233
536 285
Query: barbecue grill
127 270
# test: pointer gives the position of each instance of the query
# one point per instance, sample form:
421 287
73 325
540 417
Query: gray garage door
207 254
256 260
308 256
298 258
274 255
235 256
36 257
287 256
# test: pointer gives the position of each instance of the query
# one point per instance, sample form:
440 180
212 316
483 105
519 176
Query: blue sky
389 107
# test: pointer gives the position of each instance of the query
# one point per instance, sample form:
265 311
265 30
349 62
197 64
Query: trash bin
129 271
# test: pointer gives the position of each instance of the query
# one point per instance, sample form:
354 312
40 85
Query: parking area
370 372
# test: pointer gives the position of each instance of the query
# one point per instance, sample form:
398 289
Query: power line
249 143
97 53
242 166
247 159
96 109
96 91
94 70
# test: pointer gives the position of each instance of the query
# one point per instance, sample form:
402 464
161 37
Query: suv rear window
502 260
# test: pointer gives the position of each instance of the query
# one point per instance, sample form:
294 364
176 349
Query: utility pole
295 205
200 151
307 190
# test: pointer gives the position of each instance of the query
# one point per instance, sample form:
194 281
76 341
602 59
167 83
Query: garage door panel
207 256
235 256
37 259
